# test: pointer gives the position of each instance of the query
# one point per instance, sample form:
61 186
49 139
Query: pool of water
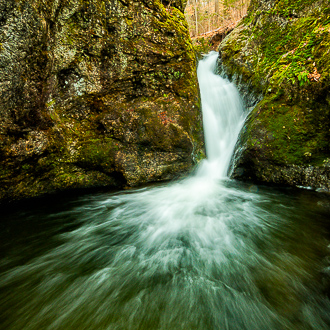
186 255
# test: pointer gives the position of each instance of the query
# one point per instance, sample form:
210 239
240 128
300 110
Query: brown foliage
207 16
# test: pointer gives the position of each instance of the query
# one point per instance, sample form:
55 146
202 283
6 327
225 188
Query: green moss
129 57
291 136
283 53
285 50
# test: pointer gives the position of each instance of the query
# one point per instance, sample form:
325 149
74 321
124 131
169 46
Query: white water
193 255
222 118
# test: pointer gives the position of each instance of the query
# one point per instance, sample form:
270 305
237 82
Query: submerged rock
279 57
95 93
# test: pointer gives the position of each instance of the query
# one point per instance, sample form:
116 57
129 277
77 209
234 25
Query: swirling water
203 253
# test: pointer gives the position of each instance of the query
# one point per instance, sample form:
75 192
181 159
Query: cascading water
199 254
222 118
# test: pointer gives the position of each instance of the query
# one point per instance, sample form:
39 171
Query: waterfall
203 253
223 118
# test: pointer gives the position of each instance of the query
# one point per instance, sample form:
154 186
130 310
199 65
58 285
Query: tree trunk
216 6
196 17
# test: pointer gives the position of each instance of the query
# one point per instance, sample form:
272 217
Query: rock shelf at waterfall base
280 53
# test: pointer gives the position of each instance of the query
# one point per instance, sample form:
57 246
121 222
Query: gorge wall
95 93
280 54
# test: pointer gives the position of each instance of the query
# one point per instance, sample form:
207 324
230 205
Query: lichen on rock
95 93
280 53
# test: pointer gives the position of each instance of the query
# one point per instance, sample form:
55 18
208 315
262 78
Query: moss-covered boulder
280 53
95 93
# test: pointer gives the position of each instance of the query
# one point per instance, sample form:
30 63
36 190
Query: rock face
280 53
95 93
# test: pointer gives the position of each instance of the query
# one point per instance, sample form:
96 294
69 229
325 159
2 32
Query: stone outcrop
95 93
279 56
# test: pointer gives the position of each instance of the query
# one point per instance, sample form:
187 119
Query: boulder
279 57
95 93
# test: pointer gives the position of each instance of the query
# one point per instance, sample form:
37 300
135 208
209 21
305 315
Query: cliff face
280 53
95 93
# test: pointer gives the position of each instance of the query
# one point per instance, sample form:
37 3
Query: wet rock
278 58
95 93
35 143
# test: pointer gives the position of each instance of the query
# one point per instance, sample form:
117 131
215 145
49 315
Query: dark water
248 257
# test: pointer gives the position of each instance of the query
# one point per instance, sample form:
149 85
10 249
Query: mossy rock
94 94
280 53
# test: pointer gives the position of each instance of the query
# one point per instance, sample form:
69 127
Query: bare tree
207 15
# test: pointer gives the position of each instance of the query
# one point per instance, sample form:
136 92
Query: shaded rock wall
95 93
280 53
